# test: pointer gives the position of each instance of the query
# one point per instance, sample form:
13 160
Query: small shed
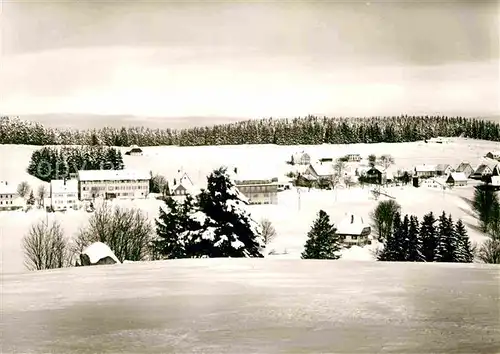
134 151
456 179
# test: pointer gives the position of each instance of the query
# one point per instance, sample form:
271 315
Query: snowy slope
253 306
291 223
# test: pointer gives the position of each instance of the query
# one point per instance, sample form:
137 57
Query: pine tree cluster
309 130
430 241
212 224
50 163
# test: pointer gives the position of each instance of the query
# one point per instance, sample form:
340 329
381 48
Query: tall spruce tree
415 253
428 234
221 227
464 252
322 240
446 244
404 236
392 245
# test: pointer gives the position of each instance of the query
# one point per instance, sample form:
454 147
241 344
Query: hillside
248 306
291 222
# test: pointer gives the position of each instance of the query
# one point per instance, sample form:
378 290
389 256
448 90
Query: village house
494 155
353 157
134 151
425 171
443 170
352 230
465 168
108 184
183 185
63 194
495 183
9 199
486 168
435 182
379 175
259 191
301 158
457 179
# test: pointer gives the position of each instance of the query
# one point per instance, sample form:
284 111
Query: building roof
495 180
7 188
351 225
113 175
442 167
495 152
425 168
325 169
458 176
463 166
58 186
184 181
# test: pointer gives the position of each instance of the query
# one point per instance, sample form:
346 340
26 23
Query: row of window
253 189
6 196
113 188
120 181
7 202
69 195
69 201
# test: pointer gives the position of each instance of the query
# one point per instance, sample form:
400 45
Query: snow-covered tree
428 234
414 253
23 189
322 240
464 250
392 244
447 242
221 227
31 199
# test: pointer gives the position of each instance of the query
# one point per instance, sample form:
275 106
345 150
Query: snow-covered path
255 305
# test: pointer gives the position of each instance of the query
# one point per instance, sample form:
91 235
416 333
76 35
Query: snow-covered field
291 219
253 306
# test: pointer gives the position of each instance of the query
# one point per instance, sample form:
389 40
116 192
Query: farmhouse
434 182
63 194
134 151
259 191
378 175
9 199
123 184
184 185
301 158
466 168
486 168
443 170
353 231
425 171
456 179
494 155
353 157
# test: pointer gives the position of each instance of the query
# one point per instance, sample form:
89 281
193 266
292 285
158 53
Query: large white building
63 194
9 199
123 184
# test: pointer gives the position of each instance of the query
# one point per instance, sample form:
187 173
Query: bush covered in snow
214 224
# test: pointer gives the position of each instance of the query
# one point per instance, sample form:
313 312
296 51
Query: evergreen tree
446 245
404 237
428 235
415 246
31 199
170 224
485 204
322 240
222 227
392 245
464 252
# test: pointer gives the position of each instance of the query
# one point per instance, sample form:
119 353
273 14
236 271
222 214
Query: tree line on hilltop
50 163
309 130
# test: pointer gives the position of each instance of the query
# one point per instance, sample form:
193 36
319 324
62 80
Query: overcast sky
250 59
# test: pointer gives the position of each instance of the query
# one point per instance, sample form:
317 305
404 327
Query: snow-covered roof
458 176
325 169
351 225
442 166
185 182
495 180
495 152
7 188
425 168
99 250
113 175
463 166
59 186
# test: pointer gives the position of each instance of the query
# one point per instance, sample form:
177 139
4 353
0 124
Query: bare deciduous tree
45 247
41 194
489 252
386 160
127 232
268 231
23 189
383 217
372 159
